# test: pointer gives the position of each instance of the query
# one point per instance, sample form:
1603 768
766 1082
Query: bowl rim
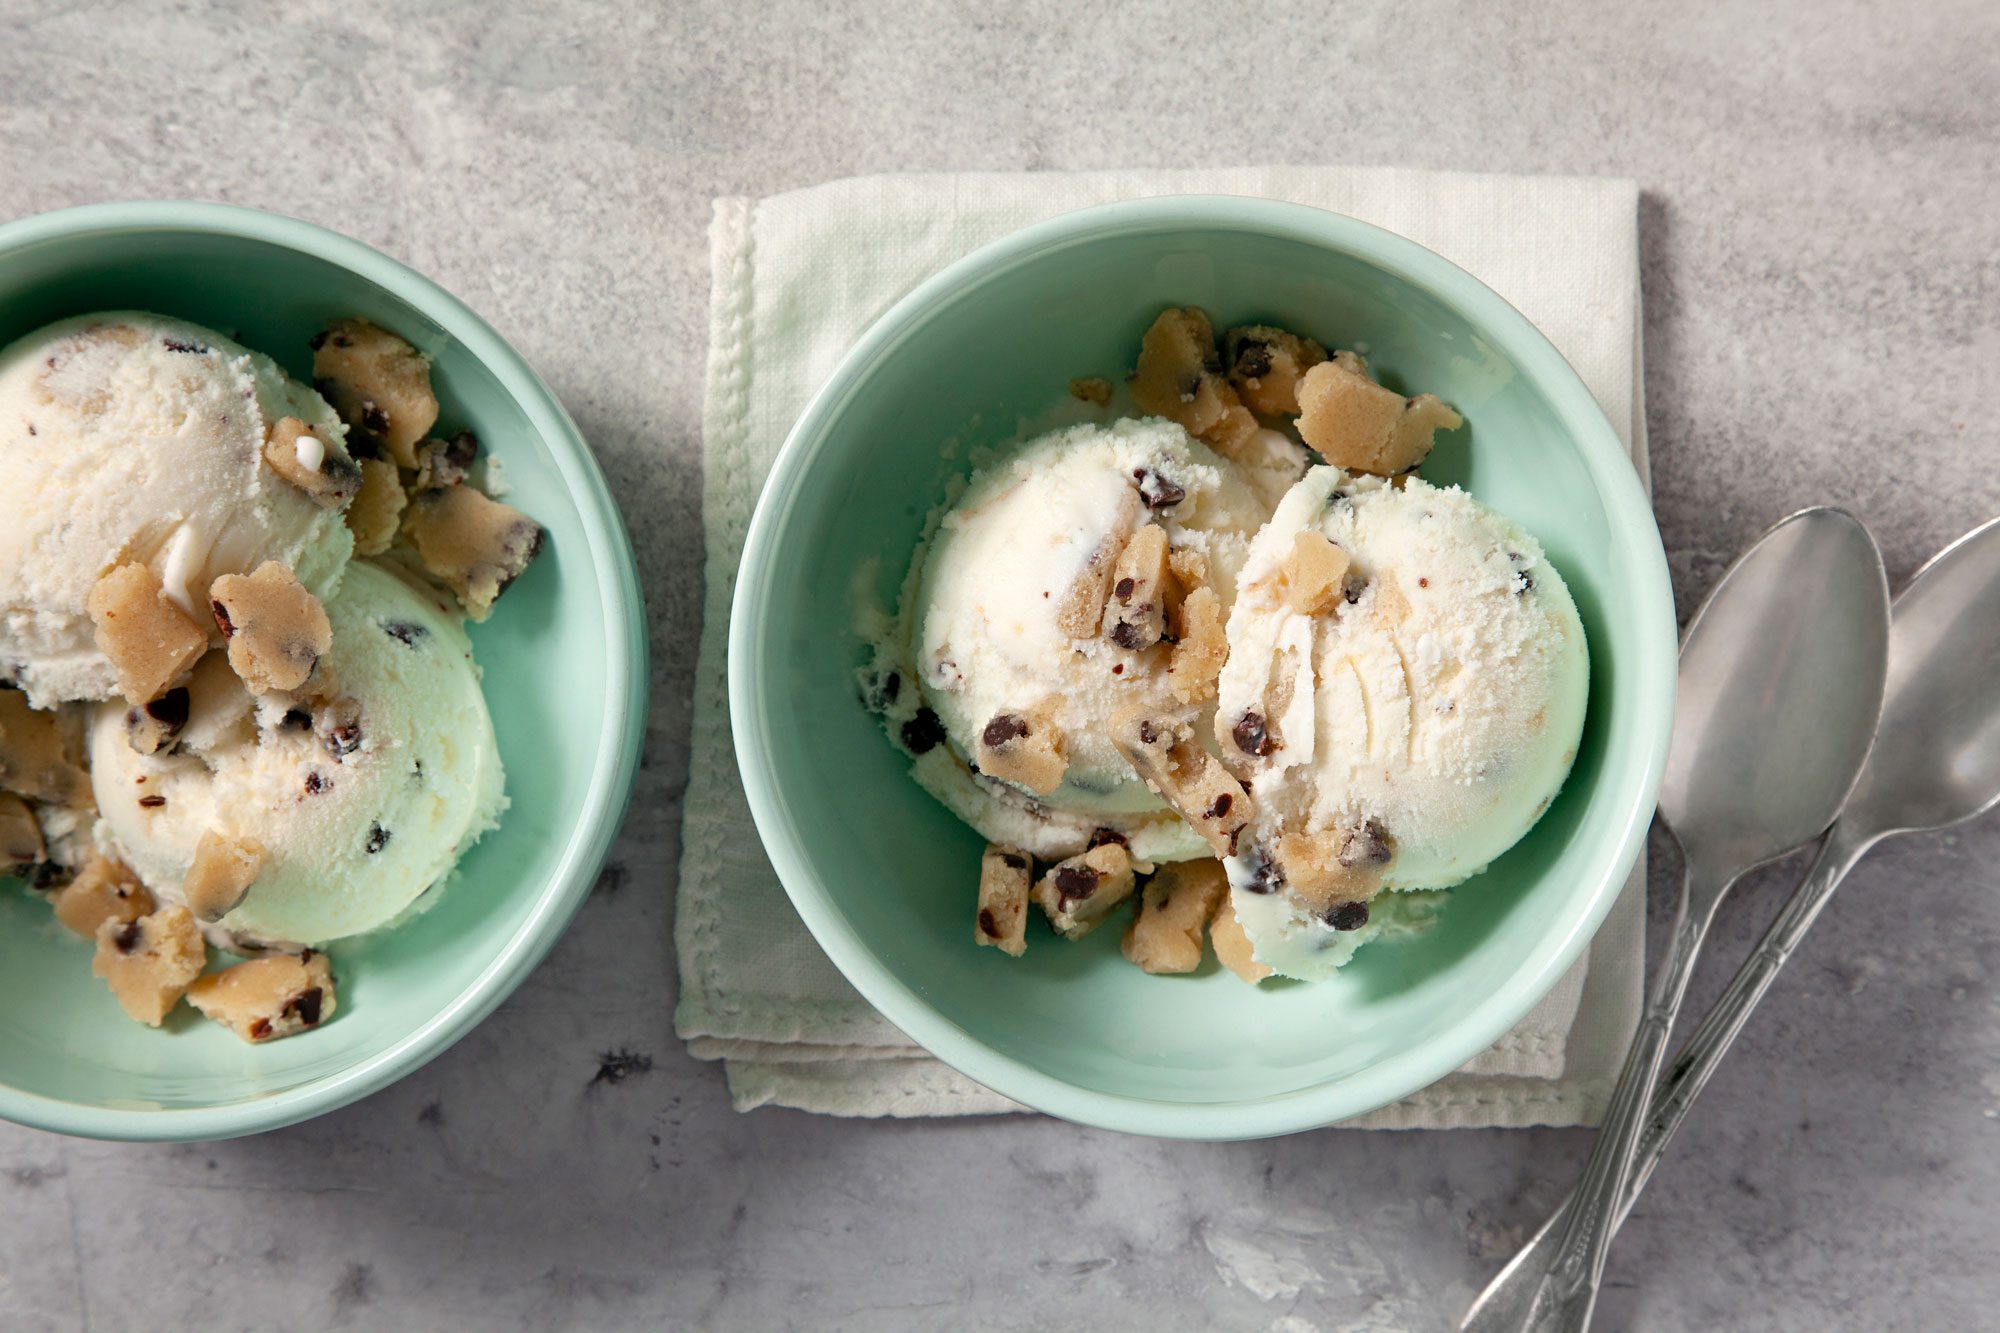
1652 670
609 787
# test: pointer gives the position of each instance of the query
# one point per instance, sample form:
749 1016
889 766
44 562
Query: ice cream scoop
1072 578
359 800
127 437
1403 698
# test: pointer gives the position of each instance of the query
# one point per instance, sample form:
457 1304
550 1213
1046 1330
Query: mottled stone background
1821 220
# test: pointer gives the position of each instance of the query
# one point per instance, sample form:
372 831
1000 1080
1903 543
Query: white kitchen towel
797 278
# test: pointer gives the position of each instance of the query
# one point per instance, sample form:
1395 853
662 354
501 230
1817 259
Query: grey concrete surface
1822 188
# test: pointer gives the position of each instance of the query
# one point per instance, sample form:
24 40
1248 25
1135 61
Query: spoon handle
1504 1303
1567 1295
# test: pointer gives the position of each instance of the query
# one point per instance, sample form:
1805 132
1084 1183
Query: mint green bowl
564 656
885 877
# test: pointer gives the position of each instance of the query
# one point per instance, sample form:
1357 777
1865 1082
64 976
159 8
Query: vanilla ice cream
1408 734
131 437
1004 616
361 803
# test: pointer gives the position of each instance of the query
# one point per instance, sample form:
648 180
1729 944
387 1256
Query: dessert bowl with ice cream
294 543
1252 597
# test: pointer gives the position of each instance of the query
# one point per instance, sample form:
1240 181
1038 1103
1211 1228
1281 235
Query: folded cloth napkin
797 278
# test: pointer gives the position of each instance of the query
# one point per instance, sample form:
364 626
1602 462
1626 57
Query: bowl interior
402 995
887 876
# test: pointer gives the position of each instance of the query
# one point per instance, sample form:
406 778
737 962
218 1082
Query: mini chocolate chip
987 925
373 418
1522 583
1252 735
307 1004
342 340
315 783
1100 837
152 802
1253 359
378 838
1117 668
1157 491
126 938
1352 586
317 341
1073 882
1003 728
1221 806
1264 876
924 732
1128 635
175 345
462 449
405 632
1367 845
1124 589
307 955
296 719
1148 733
170 709
1423 583
260 1029
1014 860
221 614
1348 916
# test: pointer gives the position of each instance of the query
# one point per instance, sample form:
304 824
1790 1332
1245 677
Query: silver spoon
1781 681
1936 763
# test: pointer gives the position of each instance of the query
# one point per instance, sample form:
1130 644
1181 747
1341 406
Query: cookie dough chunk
34 761
1200 648
224 868
380 385
149 963
1314 572
1004 876
477 547
315 464
149 641
1265 364
276 630
1358 425
268 998
1026 748
104 890
1164 753
21 845
156 726
1135 614
1333 871
1179 377
1078 893
1232 944
1174 909
377 509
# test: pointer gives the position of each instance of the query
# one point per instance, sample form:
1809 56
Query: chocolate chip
1073 882
260 1029
1148 733
1117 668
1348 916
462 449
317 341
1014 860
175 345
987 925
126 938
1128 635
1156 490
152 802
1100 837
221 614
1223 801
1352 586
405 632
338 727
170 710
1252 735
373 418
296 719
885 691
1522 583
378 838
923 733
315 783
1003 728
1124 589
1367 845
1264 875
306 1005
1253 359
